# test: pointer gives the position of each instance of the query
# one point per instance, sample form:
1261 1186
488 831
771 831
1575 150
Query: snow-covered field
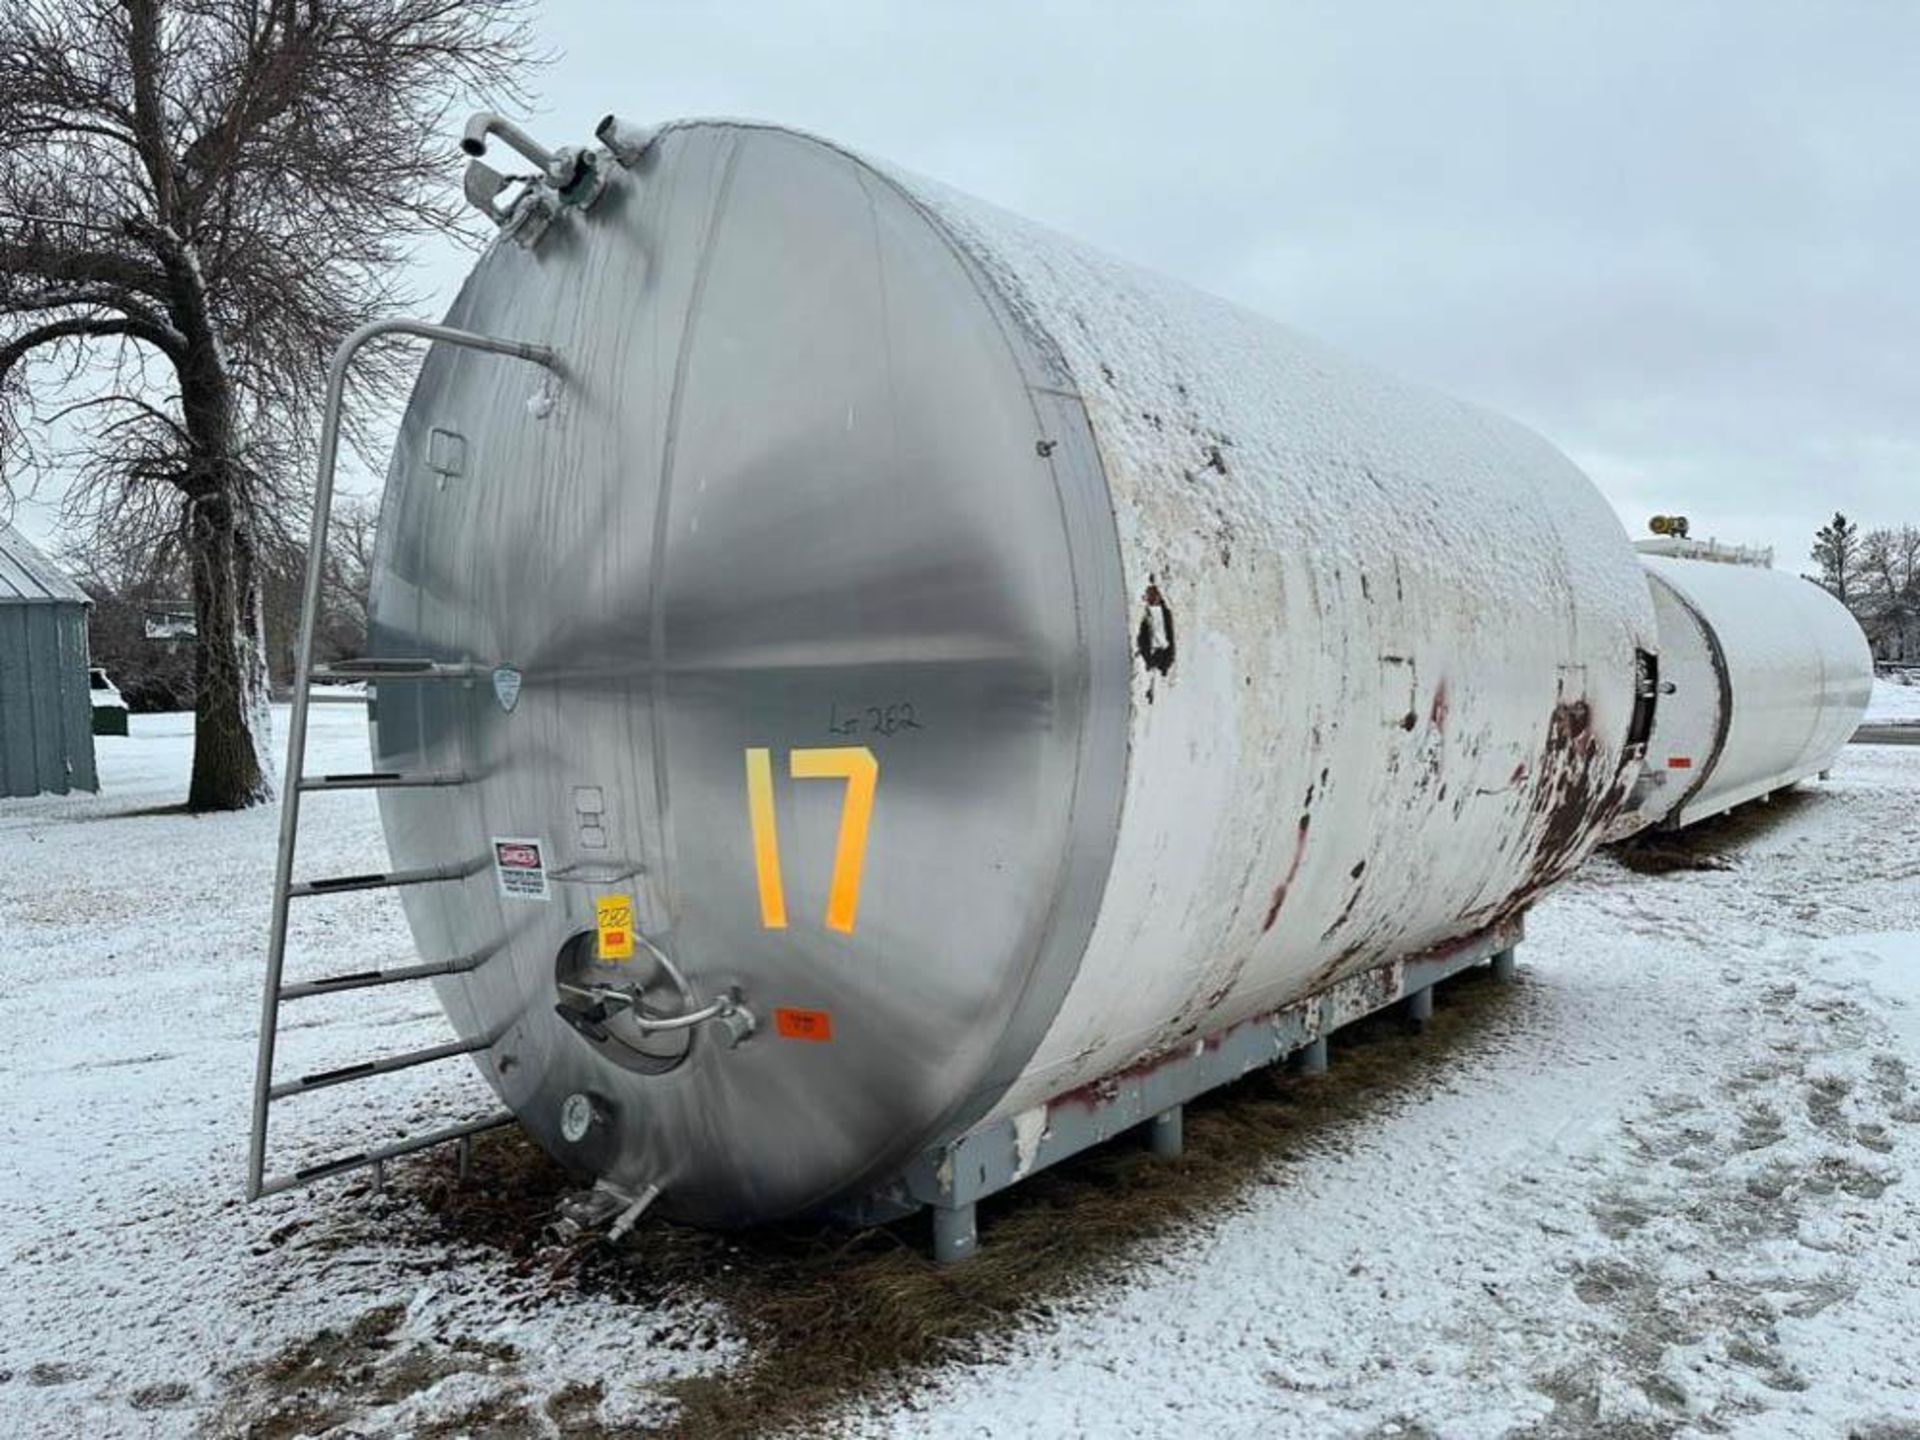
1668 1188
1892 703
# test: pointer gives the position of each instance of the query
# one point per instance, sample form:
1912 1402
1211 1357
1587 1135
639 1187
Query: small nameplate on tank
520 866
506 687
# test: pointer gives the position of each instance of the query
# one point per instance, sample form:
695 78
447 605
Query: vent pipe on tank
626 141
559 166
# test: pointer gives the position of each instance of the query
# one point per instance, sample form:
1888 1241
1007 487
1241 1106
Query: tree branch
98 297
52 265
17 349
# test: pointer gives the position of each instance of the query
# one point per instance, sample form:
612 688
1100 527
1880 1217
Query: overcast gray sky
1682 241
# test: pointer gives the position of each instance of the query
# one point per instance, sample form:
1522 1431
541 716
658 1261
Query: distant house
170 621
46 716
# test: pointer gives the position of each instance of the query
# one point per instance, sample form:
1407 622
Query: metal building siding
46 729
76 701
19 769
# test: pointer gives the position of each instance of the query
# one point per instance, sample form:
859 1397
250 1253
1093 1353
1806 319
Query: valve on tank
568 177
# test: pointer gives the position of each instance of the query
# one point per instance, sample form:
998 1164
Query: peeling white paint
1029 1129
1380 603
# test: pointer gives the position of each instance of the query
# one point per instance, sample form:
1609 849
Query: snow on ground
1675 1193
132 942
1669 1190
1893 702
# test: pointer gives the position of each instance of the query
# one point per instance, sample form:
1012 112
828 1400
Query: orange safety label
803 1024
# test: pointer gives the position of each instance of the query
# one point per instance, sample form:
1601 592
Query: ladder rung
367 979
371 668
380 880
386 1065
273 1185
382 780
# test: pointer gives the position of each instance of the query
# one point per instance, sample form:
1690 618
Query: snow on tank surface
1376 627
1798 672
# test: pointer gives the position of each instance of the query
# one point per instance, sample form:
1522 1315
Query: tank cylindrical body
1769 676
998 664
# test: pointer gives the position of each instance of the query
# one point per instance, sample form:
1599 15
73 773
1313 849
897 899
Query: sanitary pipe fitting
625 141
559 167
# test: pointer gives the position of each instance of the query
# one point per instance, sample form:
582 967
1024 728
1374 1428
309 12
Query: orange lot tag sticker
613 918
803 1024
1679 762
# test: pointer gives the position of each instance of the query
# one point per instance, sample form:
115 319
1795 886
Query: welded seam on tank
1723 721
1803 762
886 317
1010 316
662 513
448 904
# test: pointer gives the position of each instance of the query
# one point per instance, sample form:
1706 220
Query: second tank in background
1764 676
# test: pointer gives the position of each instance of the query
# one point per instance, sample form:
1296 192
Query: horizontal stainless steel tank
1767 675
994 664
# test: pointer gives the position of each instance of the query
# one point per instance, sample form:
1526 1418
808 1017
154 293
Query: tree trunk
233 726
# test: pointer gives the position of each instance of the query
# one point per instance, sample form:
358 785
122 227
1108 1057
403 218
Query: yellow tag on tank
613 918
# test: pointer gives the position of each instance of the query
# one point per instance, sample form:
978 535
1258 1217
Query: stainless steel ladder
297 783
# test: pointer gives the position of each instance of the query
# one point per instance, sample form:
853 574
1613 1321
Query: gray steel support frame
952 1178
955 1234
1167 1133
1420 1005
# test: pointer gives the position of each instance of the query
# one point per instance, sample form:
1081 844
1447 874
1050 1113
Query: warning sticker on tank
803 1024
613 918
520 867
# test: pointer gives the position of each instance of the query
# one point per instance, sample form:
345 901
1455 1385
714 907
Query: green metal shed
46 720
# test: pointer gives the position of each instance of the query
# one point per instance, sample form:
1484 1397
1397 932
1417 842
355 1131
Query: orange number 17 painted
857 766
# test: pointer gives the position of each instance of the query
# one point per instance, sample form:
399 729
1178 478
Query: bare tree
198 199
1888 600
349 576
1890 564
340 624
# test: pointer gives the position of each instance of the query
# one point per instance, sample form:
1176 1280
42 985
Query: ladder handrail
303 665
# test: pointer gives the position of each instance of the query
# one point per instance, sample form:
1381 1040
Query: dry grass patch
834 1318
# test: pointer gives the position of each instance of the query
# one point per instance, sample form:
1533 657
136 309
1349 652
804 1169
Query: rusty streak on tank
1572 798
1293 871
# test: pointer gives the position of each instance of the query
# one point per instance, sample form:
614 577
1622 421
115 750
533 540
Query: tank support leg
954 1234
1312 1058
1420 1005
1166 1133
1503 965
